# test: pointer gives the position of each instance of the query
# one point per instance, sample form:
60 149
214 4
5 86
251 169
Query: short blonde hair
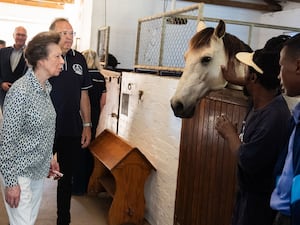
92 59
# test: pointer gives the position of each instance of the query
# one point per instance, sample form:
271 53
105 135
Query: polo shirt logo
77 69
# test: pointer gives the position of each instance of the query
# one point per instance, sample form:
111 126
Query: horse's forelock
234 45
201 38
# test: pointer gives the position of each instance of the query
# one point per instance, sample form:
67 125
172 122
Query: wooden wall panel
207 170
109 117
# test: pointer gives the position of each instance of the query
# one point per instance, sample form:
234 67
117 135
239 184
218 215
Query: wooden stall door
109 117
207 170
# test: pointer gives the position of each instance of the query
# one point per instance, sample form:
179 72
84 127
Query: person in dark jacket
12 62
263 135
97 96
285 198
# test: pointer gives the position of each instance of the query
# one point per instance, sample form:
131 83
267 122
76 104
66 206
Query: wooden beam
238 4
58 4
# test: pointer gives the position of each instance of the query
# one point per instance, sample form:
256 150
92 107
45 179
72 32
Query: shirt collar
71 52
36 84
296 113
20 49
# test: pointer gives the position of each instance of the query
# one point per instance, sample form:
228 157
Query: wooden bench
121 170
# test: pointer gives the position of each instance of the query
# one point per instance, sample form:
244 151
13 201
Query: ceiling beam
58 4
238 4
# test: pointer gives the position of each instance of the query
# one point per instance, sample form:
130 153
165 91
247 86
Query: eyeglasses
22 35
65 33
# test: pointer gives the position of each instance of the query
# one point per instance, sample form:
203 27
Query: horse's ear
220 29
201 25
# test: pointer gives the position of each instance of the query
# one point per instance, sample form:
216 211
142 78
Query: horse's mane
232 44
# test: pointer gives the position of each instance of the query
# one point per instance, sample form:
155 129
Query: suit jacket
6 73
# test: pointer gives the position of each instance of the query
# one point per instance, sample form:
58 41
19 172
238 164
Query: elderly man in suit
12 62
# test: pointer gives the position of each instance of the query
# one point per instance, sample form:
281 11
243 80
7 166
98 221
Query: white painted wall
283 18
152 127
123 22
27 17
34 19
122 17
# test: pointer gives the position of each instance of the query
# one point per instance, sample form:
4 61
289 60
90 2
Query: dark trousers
68 156
83 173
252 209
281 219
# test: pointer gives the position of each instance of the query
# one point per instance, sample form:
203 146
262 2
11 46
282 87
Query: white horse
208 49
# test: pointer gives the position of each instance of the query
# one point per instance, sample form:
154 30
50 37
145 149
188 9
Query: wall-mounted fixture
141 93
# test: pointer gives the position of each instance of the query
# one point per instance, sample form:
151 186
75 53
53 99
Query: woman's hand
54 170
12 196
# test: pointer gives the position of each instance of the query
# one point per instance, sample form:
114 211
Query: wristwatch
87 124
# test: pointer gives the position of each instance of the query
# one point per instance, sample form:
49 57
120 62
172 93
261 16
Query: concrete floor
85 210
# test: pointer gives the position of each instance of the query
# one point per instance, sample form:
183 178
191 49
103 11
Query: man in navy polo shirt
73 124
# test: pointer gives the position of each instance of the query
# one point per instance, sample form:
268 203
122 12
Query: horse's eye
205 60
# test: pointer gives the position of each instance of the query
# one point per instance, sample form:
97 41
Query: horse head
208 50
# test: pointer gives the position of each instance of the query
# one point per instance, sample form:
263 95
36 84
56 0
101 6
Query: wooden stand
122 171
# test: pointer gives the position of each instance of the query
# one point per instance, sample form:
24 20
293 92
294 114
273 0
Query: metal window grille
162 40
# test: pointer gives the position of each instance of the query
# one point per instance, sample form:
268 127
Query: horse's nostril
182 111
177 107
